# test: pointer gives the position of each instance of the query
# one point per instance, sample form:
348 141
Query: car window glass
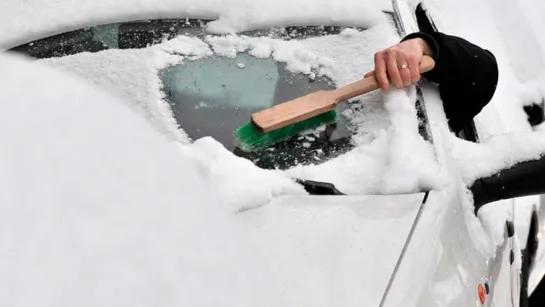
226 91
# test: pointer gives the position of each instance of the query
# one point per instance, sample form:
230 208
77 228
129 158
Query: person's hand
399 64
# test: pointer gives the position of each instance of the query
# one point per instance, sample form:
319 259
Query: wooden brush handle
316 103
370 83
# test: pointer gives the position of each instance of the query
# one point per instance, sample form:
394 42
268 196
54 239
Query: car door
466 258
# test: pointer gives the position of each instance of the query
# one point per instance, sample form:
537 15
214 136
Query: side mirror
523 179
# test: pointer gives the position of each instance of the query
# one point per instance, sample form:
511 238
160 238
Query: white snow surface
99 209
142 87
479 160
133 75
43 18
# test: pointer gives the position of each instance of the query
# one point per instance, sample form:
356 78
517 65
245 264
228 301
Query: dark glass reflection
127 35
214 96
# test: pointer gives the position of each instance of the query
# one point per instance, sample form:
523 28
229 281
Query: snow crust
99 209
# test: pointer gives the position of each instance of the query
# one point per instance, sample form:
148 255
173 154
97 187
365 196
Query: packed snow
99 209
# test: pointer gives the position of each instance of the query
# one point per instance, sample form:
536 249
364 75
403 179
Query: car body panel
445 263
332 251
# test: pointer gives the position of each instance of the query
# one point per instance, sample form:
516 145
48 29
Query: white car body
428 249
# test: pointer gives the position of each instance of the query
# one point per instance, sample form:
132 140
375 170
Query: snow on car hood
24 21
332 251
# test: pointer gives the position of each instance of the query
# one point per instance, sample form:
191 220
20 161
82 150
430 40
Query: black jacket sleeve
466 75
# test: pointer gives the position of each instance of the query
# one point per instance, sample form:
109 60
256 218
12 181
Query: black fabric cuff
429 39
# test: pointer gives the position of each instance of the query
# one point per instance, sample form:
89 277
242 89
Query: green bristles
248 138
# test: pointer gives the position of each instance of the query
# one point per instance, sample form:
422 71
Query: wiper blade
319 188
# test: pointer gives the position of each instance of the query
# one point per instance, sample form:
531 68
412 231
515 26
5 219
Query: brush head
293 111
249 138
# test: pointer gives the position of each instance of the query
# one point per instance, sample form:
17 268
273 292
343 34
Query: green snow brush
285 120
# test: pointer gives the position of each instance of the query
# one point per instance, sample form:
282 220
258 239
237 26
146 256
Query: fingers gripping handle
370 83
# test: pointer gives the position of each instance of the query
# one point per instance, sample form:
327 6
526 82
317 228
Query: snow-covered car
125 187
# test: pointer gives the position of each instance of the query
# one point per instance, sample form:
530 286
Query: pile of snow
241 184
98 209
396 159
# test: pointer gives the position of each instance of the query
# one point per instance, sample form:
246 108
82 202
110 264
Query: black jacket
466 75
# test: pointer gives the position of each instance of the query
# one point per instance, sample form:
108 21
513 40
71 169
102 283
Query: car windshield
212 84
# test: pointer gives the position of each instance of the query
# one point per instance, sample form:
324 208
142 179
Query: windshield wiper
319 188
